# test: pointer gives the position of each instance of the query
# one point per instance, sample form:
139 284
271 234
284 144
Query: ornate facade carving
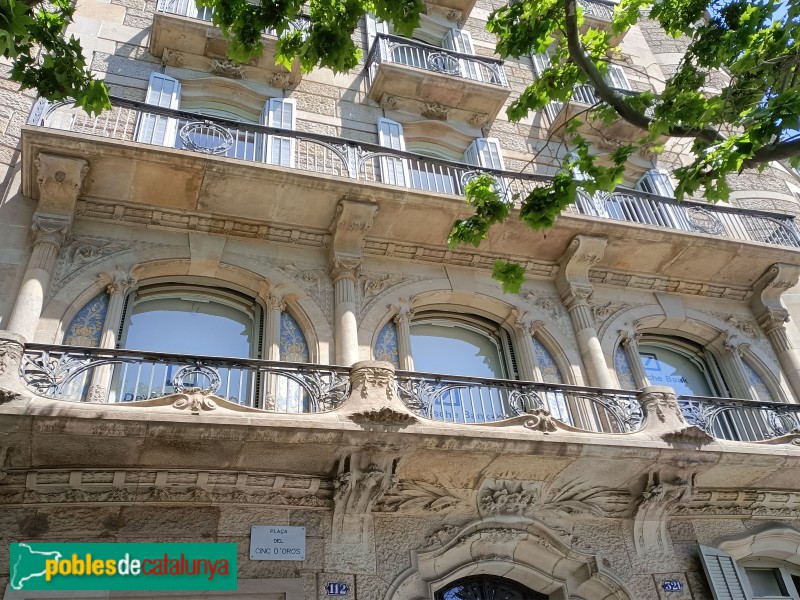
661 408
60 179
362 478
10 355
662 493
537 498
227 68
423 497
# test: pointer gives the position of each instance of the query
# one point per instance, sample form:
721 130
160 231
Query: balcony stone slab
140 176
196 44
476 102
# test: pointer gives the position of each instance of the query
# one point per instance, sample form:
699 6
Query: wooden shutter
724 578
165 92
394 171
374 27
280 112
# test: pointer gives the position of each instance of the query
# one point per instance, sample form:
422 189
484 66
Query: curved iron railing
741 420
129 121
458 399
101 375
599 9
403 51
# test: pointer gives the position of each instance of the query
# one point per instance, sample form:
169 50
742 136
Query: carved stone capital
661 409
572 281
353 220
362 478
403 312
662 493
50 229
630 338
433 110
527 324
275 303
60 179
120 282
373 395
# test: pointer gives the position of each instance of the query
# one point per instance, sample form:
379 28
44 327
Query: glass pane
667 367
454 350
766 582
196 327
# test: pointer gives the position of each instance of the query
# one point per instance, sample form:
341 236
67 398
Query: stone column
345 305
630 345
526 350
402 321
353 219
735 368
49 232
59 180
117 290
272 327
772 316
575 288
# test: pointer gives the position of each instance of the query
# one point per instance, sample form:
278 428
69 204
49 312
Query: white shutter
615 77
541 61
165 92
724 578
280 112
394 171
656 182
461 41
486 153
374 27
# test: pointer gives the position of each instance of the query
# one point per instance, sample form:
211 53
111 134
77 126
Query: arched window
487 587
686 367
456 345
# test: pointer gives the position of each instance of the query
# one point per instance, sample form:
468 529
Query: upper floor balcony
598 14
436 80
198 166
183 36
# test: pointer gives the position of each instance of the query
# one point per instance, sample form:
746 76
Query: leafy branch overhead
734 96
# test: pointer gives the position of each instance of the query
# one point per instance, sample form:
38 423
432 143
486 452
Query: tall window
683 367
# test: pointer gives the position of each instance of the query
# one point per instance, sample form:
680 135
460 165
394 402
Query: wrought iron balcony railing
403 51
741 420
188 8
599 9
119 376
99 375
130 122
476 400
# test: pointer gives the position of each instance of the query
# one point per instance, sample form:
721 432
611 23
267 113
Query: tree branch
779 151
607 93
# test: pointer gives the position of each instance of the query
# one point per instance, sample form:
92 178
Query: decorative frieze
663 492
127 486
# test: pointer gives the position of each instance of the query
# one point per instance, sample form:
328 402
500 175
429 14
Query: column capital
60 179
275 303
403 311
344 267
572 280
50 229
527 324
630 336
119 282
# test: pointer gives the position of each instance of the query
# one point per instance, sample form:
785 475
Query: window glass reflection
454 349
675 369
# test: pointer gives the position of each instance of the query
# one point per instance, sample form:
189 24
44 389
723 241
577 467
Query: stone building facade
229 302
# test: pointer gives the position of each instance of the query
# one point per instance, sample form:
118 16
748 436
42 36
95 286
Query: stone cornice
177 220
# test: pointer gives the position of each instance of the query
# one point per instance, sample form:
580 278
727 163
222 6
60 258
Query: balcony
584 97
197 385
429 79
597 14
119 160
183 36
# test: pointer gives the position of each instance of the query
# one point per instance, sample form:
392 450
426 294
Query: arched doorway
486 587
